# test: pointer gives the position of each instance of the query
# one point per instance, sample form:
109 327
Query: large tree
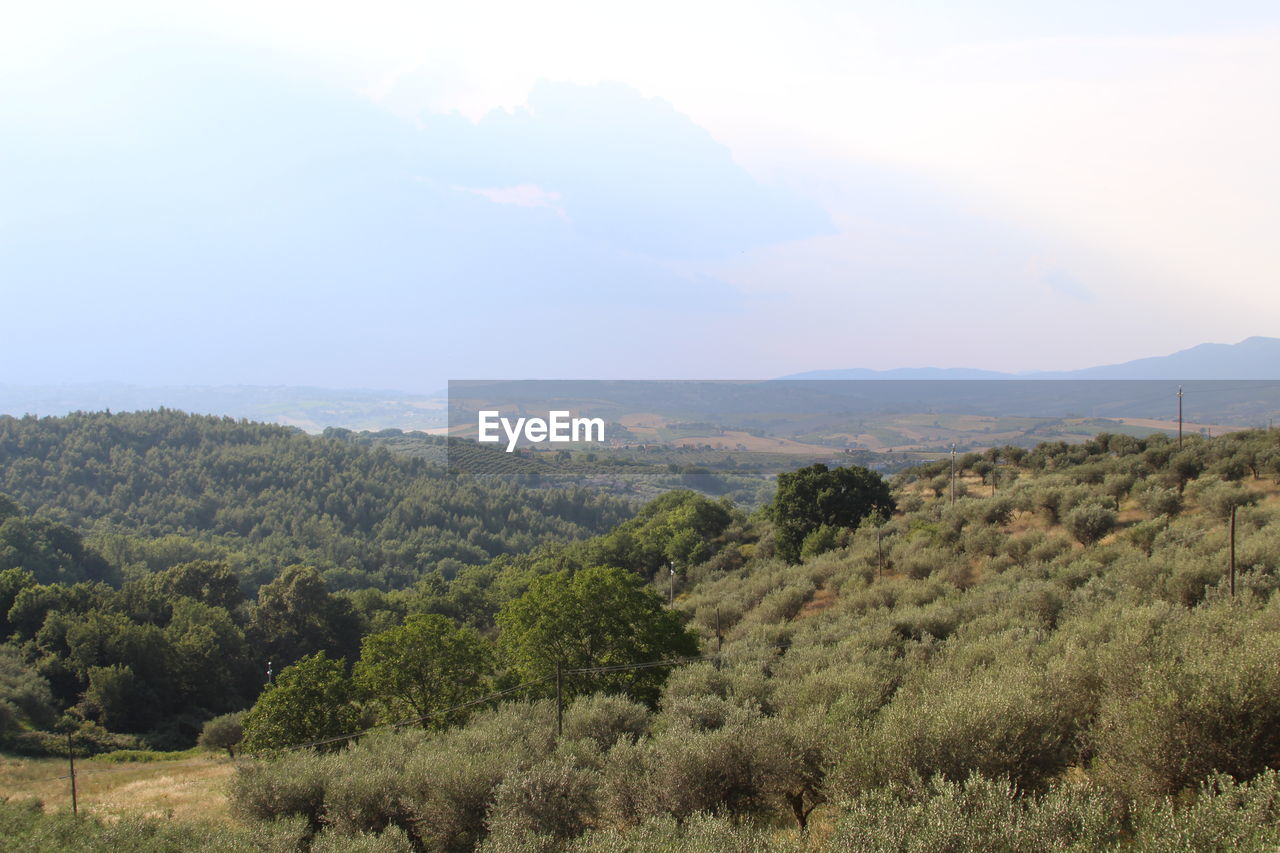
311 701
817 496
597 617
423 668
296 615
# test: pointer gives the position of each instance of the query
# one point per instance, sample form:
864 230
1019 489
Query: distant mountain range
314 409
1252 358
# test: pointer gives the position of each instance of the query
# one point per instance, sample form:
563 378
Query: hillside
1053 661
153 489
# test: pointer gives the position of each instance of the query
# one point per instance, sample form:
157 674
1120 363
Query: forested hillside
153 489
1047 651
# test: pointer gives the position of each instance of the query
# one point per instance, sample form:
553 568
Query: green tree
599 616
209 583
295 616
25 697
311 701
1090 522
112 698
817 495
51 551
680 527
12 582
223 732
422 667
212 667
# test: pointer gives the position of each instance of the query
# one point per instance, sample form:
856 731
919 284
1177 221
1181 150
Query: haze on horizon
289 193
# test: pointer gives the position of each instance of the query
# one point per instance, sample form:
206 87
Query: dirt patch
821 600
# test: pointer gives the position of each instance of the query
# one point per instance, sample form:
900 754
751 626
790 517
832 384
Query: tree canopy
422 668
311 701
817 496
597 617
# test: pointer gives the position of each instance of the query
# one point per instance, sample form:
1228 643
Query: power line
498 694
400 724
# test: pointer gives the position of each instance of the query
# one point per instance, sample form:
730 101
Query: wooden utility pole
1233 552
953 475
879 552
719 639
71 760
671 585
1179 417
559 698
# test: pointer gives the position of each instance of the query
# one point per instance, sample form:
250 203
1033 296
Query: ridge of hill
1255 357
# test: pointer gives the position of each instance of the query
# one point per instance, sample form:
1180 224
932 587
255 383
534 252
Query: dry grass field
184 789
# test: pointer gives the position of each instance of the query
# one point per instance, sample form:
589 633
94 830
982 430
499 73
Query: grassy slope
188 788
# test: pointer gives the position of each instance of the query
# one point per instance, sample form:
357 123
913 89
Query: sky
394 194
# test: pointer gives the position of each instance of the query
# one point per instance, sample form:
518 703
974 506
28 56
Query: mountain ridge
1255 357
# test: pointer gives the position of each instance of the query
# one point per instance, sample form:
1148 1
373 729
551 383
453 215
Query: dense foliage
596 617
158 488
813 503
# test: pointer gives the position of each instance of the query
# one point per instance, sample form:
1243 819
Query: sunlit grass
184 788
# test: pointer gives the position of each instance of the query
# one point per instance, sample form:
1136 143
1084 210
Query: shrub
819 541
999 722
1226 815
703 713
1161 501
1118 486
365 793
699 833
391 841
1145 533
224 732
605 719
1090 522
292 785
682 771
552 798
916 559
976 814
1209 700
1221 498
450 781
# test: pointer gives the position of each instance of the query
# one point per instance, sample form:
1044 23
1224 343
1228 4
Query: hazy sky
392 194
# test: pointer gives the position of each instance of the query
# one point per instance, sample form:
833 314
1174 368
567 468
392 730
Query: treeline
153 489
164 561
157 656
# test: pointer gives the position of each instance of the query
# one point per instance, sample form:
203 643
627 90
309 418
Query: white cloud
521 195
1147 161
